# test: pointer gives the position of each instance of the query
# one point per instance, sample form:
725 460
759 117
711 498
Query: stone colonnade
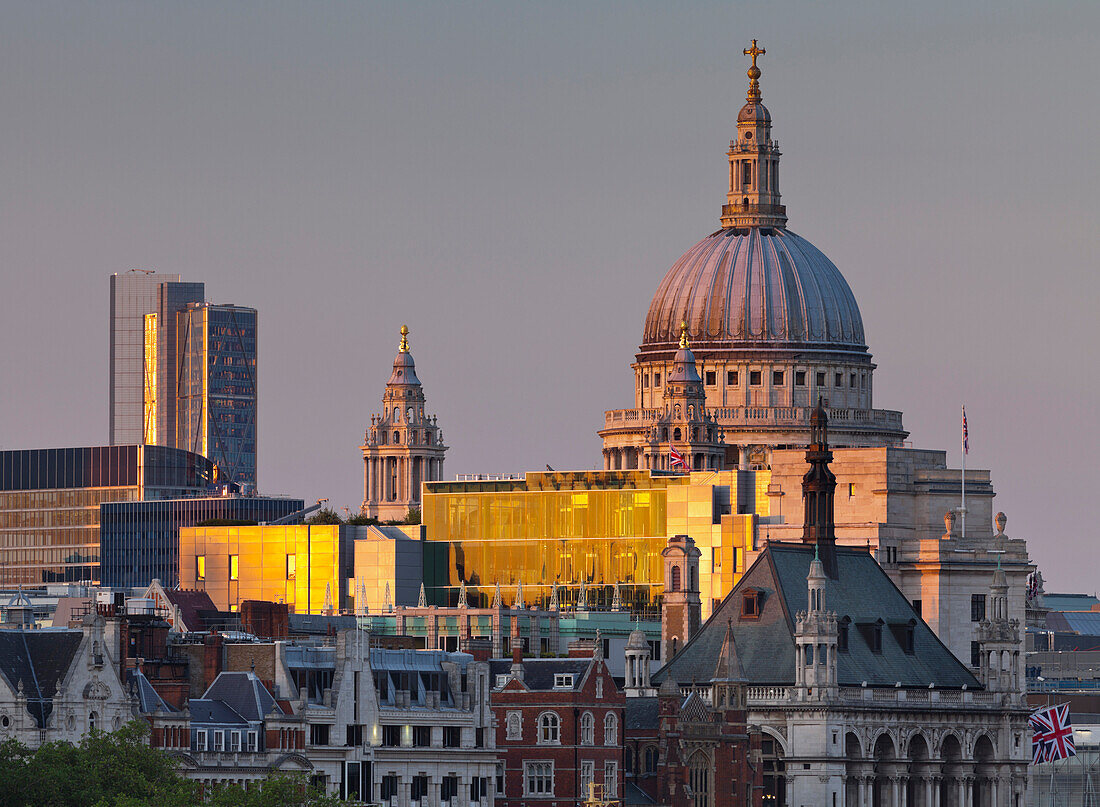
890 784
397 479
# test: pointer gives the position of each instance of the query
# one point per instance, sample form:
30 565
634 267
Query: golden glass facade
602 527
149 403
300 565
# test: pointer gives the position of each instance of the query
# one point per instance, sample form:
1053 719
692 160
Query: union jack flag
966 434
675 458
1052 734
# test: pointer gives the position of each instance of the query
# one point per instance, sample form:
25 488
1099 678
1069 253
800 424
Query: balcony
782 416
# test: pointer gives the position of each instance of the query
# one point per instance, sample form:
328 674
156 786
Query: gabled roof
39 660
862 592
191 605
539 673
244 693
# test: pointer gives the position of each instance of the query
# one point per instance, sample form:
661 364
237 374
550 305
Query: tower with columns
815 638
999 639
403 446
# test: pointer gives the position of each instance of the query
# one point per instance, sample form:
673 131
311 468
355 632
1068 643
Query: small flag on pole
966 434
675 458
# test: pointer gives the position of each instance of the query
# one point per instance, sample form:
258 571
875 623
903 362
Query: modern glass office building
144 305
50 503
217 403
140 541
590 530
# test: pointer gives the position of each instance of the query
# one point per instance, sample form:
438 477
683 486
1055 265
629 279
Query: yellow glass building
306 566
599 528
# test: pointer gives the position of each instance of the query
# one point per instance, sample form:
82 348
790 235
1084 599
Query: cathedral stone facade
403 446
772 323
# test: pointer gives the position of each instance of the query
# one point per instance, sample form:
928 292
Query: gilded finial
404 346
684 335
754 73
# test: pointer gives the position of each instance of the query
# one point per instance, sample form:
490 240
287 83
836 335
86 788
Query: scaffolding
1072 782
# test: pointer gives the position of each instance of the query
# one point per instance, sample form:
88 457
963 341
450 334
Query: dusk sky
513 180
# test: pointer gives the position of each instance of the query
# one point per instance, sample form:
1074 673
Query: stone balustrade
769 415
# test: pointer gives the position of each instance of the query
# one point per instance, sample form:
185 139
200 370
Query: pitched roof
244 693
862 592
211 711
191 605
149 700
539 673
39 659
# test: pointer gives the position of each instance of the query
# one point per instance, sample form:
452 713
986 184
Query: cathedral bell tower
681 605
818 490
403 446
753 198
684 426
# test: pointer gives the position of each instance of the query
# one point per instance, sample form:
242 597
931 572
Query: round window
5 721
748 135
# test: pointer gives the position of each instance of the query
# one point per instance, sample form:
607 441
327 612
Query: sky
513 180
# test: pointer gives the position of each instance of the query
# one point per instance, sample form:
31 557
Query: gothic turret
403 446
999 640
818 489
816 639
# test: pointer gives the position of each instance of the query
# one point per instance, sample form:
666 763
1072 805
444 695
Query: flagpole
962 510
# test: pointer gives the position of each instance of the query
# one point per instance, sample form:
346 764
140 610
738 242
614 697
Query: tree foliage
119 769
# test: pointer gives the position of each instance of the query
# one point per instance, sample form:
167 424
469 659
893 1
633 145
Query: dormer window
750 604
842 634
563 680
872 634
905 633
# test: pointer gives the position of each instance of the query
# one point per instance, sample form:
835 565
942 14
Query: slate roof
205 711
192 605
149 700
642 714
765 645
242 692
40 659
1069 602
539 673
632 794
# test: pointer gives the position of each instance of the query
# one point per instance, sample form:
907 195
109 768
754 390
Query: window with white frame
253 740
234 741
599 686
563 680
610 779
588 776
200 740
549 729
219 740
610 729
538 778
588 729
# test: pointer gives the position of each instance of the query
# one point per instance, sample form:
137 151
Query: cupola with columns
403 446
815 640
999 640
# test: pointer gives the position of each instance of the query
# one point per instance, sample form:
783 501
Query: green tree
279 790
326 515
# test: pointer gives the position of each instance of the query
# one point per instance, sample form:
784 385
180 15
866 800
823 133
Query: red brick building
559 727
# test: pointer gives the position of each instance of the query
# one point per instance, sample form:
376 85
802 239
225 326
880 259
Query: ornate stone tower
681 606
403 446
815 640
637 666
999 638
753 198
684 425
818 490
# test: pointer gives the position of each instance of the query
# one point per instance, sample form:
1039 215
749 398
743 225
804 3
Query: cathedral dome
746 289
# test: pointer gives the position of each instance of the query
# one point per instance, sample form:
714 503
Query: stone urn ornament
949 524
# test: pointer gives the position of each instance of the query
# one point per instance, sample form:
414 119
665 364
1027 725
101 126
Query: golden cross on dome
754 73
754 52
404 346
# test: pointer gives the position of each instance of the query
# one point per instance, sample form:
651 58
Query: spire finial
404 346
683 335
754 73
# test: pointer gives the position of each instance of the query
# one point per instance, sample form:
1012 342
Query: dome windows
731 378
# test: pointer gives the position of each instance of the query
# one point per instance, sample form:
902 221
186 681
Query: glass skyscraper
50 503
216 404
183 372
140 541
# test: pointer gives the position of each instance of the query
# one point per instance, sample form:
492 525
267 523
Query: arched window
397 414
93 719
549 729
409 414
675 578
588 729
700 779
610 729
396 438
676 433
651 759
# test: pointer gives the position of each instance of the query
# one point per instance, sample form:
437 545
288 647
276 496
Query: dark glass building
140 541
50 498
